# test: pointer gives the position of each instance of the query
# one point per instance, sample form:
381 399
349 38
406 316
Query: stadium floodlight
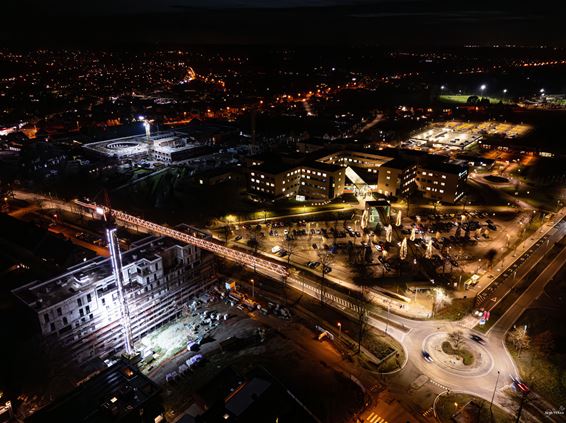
483 87
542 90
505 91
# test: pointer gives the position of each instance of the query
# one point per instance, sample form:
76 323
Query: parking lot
463 243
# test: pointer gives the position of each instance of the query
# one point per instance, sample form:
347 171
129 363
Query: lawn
463 98
448 405
466 356
457 309
546 373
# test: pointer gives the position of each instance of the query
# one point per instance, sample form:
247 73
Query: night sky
387 22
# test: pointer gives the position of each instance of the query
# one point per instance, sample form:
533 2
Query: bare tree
326 259
255 241
226 233
290 245
456 338
520 339
361 303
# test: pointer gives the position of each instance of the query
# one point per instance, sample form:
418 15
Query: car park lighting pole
493 396
253 288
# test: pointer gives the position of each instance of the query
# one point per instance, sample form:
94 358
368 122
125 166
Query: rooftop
41 295
118 394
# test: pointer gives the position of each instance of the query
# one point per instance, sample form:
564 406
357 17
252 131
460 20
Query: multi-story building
397 177
80 311
445 181
314 180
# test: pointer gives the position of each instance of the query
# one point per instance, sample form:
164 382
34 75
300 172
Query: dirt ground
315 372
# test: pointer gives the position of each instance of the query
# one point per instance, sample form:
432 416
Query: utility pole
493 396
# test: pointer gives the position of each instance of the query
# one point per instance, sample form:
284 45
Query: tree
520 339
289 245
544 343
254 241
473 99
225 233
361 303
326 259
456 338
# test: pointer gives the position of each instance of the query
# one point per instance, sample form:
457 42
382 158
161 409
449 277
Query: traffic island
461 353
457 354
465 408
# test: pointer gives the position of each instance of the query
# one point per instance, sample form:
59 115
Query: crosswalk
374 418
428 412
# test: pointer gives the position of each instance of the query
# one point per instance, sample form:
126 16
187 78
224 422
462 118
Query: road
417 336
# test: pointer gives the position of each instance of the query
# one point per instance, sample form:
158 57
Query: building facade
444 182
315 181
397 178
80 310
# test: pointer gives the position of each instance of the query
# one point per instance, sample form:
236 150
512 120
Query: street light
482 88
253 288
493 396
339 330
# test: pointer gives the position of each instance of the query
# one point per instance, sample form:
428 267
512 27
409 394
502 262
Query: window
46 318
81 312
79 302
59 312
65 321
52 327
88 298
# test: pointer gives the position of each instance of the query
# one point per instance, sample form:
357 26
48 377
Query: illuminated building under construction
81 309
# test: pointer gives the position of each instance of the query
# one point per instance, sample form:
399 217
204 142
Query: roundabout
450 359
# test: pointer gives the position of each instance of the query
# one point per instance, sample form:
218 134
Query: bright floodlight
140 117
542 90
505 91
483 87
442 87
99 210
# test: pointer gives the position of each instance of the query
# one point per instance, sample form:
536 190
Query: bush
467 356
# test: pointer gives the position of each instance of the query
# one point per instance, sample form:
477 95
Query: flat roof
118 393
447 167
398 163
41 295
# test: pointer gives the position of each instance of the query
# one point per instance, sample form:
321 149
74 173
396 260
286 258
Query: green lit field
463 98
